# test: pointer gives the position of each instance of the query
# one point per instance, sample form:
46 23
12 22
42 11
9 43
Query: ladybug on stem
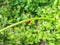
28 21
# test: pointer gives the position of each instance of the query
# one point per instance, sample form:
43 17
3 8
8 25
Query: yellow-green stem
55 3
37 18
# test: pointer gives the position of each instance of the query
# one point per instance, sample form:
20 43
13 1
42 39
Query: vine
37 18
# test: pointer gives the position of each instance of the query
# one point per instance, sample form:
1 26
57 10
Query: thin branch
37 18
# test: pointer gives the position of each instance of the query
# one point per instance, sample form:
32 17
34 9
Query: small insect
28 21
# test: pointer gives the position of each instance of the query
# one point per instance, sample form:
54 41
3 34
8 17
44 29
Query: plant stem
37 18
55 3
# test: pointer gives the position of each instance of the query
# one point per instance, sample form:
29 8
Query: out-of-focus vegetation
37 32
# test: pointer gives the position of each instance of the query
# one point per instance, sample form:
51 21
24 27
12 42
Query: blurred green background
37 32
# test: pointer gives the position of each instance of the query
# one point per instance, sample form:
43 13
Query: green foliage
15 31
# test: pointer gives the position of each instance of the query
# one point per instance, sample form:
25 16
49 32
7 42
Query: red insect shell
28 21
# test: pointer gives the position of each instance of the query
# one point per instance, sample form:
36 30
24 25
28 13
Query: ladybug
28 21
